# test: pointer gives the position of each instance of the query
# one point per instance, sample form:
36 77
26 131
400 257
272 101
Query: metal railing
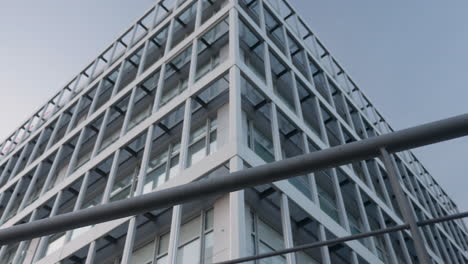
379 146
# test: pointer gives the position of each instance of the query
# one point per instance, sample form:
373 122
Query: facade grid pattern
198 88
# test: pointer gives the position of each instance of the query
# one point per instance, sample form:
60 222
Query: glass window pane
143 255
189 230
190 253
208 251
197 152
252 50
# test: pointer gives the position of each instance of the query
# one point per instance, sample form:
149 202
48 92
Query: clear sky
410 57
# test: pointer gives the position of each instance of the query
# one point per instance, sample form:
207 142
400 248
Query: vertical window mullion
257 241
157 242
168 162
207 137
202 236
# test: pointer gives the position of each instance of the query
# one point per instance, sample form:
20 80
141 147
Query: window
82 112
274 30
333 128
43 168
202 141
106 88
89 140
207 105
193 234
144 100
165 9
210 8
130 69
63 124
282 82
162 167
326 194
305 229
109 246
257 121
320 81
184 24
124 187
129 161
213 48
156 47
58 173
338 99
292 144
310 108
163 245
252 8
298 56
42 143
324 56
259 143
252 50
307 36
115 119
165 150
143 255
151 237
176 76
348 191
263 238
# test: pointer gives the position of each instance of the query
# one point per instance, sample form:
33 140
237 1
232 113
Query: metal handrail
405 139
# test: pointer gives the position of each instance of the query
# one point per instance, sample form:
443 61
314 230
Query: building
198 88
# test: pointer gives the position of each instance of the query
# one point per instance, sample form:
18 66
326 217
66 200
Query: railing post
403 203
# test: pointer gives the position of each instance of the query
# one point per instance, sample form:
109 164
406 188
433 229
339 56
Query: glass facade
197 89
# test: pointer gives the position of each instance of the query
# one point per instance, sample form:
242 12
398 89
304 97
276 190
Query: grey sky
409 56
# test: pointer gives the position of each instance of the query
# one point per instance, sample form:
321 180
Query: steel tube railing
339 240
332 157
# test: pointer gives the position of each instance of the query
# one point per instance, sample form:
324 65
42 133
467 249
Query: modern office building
196 89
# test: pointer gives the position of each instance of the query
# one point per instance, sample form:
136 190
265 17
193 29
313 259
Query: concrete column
174 234
128 113
129 241
286 224
185 134
324 250
159 88
91 253
235 109
100 134
237 216
111 178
